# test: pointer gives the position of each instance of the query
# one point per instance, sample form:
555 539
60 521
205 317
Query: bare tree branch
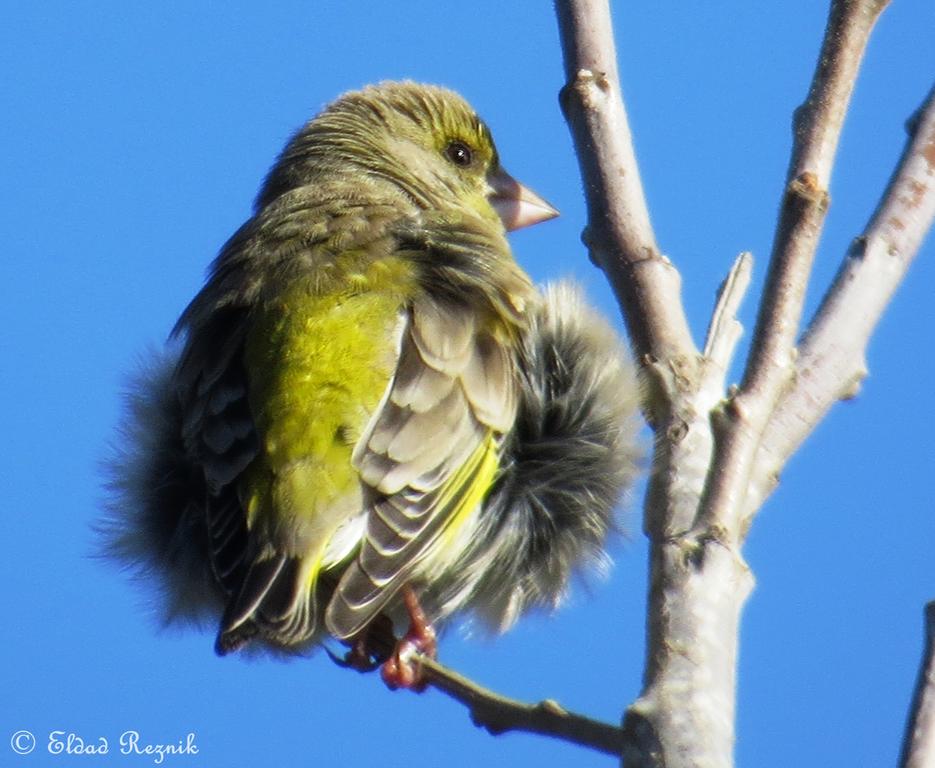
817 128
698 584
619 233
771 366
499 714
918 749
831 362
697 495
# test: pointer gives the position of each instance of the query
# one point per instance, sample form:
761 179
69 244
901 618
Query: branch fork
720 449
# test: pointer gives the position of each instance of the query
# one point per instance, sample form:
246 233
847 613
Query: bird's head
425 141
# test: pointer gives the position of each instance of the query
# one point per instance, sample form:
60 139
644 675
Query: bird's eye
459 153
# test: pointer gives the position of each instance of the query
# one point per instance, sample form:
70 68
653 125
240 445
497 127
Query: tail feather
153 524
276 602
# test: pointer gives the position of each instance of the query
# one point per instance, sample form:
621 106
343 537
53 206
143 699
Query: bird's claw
357 658
402 668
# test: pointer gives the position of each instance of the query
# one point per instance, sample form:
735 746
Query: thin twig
724 329
918 750
831 362
499 714
817 129
771 365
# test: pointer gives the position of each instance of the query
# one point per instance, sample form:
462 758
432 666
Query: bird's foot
401 670
359 658
370 649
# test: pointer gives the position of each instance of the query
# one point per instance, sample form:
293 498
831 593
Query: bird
369 414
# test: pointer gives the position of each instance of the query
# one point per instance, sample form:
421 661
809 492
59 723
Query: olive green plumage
353 394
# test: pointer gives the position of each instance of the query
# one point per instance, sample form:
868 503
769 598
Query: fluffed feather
153 526
572 455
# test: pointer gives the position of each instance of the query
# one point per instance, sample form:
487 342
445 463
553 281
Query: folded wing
429 455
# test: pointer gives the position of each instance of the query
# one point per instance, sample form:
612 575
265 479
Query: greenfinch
369 399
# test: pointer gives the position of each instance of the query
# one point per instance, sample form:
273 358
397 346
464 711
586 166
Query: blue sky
133 138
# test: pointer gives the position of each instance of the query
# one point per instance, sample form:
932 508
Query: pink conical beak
516 205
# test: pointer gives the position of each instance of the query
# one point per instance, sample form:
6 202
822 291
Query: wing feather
417 386
485 382
429 454
443 335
